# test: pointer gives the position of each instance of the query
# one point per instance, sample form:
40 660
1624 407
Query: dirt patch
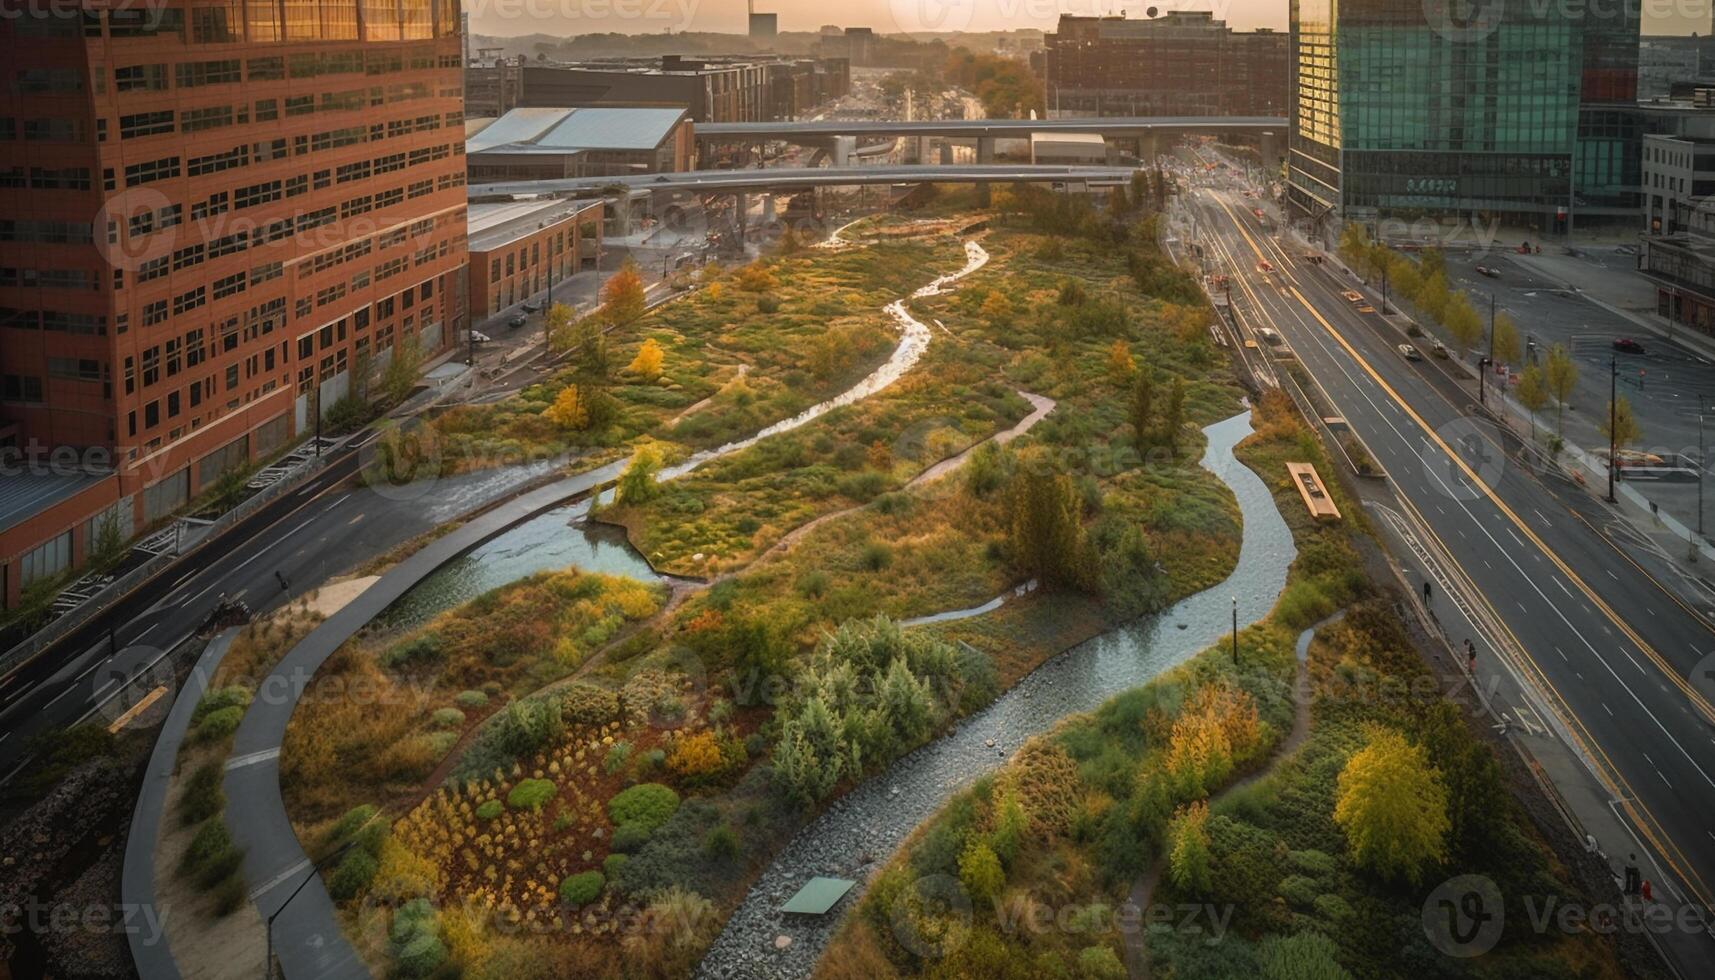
206 946
332 597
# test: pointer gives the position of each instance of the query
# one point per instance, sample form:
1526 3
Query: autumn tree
980 872
1047 533
568 410
1505 342
558 324
1173 419
1560 374
1120 362
1188 863
647 363
1142 409
637 485
755 278
1619 425
622 299
400 375
1432 295
1532 393
591 344
1354 245
1459 317
1392 806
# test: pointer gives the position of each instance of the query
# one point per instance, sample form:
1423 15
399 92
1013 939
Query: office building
542 144
712 89
1524 115
518 249
1184 63
764 27
210 216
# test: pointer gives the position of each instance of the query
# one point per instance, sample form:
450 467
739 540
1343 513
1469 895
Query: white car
1409 352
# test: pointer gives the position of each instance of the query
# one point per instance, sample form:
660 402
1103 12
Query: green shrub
356 870
470 699
233 696
1099 963
582 888
876 556
219 724
611 864
721 843
211 856
618 754
1304 956
230 895
648 804
629 837
416 940
767 304
418 651
447 718
489 810
1298 890
530 794
587 704
814 584
204 797
354 820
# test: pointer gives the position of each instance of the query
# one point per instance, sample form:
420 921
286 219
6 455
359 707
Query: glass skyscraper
1492 109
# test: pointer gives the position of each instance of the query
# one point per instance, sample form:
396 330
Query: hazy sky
515 17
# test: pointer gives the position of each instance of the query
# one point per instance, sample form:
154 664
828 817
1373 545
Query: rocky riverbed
858 833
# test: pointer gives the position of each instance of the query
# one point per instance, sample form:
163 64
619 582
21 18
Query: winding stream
560 538
858 833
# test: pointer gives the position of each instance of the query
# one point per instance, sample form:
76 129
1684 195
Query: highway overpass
786 179
1114 127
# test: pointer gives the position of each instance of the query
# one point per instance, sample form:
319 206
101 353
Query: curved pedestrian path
307 937
150 952
858 833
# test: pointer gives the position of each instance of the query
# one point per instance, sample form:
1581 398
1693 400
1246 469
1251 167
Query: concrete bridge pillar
843 147
1149 147
922 149
985 150
985 195
1269 148
767 209
946 155
740 214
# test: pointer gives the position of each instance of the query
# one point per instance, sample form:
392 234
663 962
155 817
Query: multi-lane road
323 528
1610 652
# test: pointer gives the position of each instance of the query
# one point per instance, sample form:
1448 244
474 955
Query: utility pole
1483 363
1691 545
1613 431
268 963
1384 289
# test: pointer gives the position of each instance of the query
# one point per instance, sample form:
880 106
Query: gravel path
858 833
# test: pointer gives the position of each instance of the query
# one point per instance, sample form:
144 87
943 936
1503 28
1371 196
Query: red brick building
1183 63
519 248
210 214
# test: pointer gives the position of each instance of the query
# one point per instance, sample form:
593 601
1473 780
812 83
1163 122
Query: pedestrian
1427 590
1470 658
1645 892
281 579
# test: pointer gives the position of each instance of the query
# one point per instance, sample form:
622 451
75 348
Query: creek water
859 833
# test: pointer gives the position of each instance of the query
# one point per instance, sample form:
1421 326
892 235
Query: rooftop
30 489
575 130
493 224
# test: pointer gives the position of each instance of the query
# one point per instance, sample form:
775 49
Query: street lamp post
1613 419
268 964
1235 631
1484 363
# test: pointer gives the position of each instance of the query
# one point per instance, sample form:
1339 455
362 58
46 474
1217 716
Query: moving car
1352 296
1490 271
1264 266
517 320
1438 349
1409 353
1627 345
478 337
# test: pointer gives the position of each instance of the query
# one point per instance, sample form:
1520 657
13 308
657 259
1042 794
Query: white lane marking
1541 518
262 889
1563 588
252 759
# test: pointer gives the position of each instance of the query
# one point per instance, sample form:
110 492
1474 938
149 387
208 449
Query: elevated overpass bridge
839 136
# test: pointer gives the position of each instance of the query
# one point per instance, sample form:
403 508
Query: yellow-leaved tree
568 410
1188 854
647 363
1392 805
622 296
1120 362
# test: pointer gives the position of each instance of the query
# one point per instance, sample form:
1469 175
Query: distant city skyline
512 18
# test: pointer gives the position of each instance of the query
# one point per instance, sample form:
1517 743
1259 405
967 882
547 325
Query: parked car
1409 353
1439 350
531 307
1627 345
478 337
517 320
1490 271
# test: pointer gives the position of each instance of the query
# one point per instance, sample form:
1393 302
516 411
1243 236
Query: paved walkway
307 938
151 953
1143 890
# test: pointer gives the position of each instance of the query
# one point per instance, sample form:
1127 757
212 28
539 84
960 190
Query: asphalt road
328 526
1606 645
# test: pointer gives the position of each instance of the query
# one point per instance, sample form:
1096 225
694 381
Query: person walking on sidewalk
1427 590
